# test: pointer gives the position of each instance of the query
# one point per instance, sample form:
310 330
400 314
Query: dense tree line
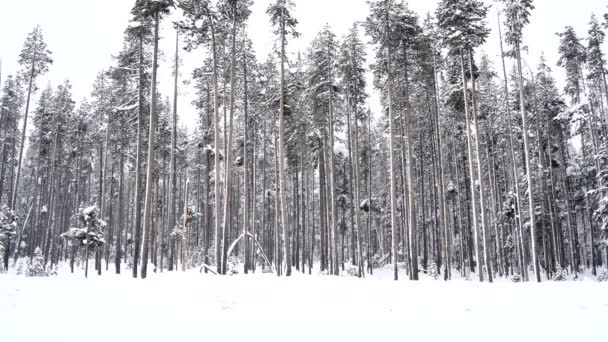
470 168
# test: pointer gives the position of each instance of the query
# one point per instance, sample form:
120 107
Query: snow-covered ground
191 306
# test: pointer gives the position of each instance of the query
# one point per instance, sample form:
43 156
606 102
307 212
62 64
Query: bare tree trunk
519 214
441 183
528 164
147 224
482 202
172 171
138 153
118 253
282 186
355 206
185 233
471 168
246 172
389 85
228 148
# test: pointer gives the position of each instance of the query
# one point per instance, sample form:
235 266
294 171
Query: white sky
84 34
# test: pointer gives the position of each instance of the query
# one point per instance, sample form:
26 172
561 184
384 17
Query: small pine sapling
22 265
432 270
8 229
37 267
233 265
560 274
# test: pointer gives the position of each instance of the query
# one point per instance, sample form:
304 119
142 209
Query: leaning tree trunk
13 199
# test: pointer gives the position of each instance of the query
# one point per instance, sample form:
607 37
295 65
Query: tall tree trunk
282 144
173 166
355 206
441 183
118 253
518 209
389 85
486 251
147 224
138 161
185 237
528 164
228 147
246 172
471 168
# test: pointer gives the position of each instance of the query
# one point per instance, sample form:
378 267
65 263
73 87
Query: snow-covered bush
36 268
602 274
8 229
176 233
22 265
196 257
233 266
377 261
432 270
560 274
351 270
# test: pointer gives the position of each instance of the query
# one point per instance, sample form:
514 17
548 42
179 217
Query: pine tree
10 107
322 84
8 230
147 9
379 26
517 16
88 232
463 27
351 66
35 60
37 267
139 33
595 58
550 107
200 26
285 25
237 11
572 57
515 177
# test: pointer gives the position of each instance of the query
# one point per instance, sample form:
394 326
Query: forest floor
190 306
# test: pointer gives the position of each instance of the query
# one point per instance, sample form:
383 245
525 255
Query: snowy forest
474 167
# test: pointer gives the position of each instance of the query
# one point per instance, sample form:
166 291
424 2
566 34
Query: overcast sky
84 34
